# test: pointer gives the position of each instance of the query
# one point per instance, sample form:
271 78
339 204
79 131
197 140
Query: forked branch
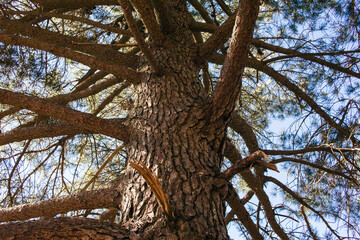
83 120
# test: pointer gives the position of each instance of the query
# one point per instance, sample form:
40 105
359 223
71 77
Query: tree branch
147 15
88 60
201 10
341 174
162 13
137 35
282 80
102 198
63 228
40 131
243 215
321 148
80 119
301 201
229 84
17 27
217 39
71 4
305 56
240 126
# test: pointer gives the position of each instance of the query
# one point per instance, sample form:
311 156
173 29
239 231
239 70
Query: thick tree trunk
176 141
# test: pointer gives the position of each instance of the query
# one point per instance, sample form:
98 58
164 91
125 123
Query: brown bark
63 228
87 121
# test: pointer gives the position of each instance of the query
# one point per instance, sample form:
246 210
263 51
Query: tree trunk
175 140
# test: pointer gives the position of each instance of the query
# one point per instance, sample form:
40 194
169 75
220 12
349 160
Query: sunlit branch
301 201
83 120
138 37
228 87
84 200
147 15
247 163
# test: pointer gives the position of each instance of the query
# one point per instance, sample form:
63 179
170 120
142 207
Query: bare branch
204 14
40 131
282 80
286 159
243 215
138 37
63 228
71 4
229 83
217 39
301 200
162 12
80 119
24 29
309 57
247 163
102 198
147 15
257 187
239 125
85 59
308 223
73 18
321 148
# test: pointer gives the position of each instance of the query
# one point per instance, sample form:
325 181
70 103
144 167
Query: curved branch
63 228
83 120
229 84
102 198
282 80
240 126
300 200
